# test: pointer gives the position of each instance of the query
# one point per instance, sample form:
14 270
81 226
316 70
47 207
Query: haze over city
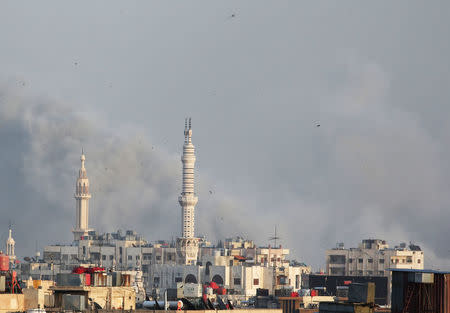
327 120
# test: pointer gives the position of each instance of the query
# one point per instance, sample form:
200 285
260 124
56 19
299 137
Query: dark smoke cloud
135 184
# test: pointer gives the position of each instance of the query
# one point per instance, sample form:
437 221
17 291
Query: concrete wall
119 297
12 303
34 298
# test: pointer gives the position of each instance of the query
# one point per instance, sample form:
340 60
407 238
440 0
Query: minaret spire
82 197
10 246
187 243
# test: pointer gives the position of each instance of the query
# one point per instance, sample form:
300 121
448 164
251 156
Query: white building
241 269
373 257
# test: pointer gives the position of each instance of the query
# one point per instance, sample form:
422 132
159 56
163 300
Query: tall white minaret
187 244
82 197
188 199
10 246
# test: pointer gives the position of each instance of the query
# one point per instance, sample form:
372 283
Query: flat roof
418 271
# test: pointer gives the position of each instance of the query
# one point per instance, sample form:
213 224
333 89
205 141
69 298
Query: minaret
82 197
10 246
188 199
187 244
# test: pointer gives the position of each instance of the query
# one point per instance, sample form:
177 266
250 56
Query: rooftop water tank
4 262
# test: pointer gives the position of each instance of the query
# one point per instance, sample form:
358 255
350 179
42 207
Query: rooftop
418 270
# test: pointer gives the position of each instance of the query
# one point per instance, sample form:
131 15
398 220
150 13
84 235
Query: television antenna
274 238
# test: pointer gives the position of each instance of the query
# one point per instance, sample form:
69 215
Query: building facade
373 257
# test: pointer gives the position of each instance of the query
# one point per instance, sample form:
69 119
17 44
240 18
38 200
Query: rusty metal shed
420 291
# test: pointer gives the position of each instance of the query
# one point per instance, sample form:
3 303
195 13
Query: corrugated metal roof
418 271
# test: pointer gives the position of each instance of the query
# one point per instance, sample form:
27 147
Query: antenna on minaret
185 129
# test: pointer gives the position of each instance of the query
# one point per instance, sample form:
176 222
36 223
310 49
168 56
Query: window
156 280
158 258
95 256
381 261
369 272
130 257
111 257
191 279
103 257
350 260
337 259
237 281
147 256
408 259
360 260
381 273
337 271
120 250
178 279
370 260
418 260
256 281
138 257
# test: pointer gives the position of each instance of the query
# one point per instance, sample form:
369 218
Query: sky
327 120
